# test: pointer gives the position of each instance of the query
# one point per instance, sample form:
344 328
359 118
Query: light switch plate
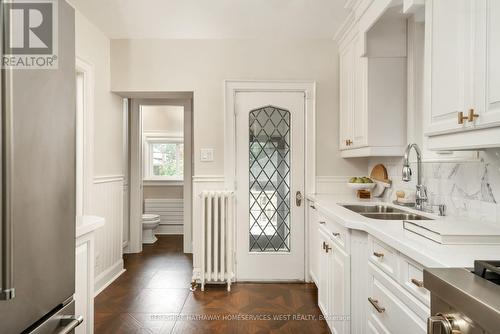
207 154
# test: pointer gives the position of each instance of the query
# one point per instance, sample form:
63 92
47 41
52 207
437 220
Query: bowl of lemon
361 183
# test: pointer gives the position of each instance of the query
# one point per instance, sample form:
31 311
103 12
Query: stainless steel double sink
384 212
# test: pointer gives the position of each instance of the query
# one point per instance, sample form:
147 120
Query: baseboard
170 229
104 279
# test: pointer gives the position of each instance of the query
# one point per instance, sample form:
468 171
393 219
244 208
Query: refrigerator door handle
70 323
6 260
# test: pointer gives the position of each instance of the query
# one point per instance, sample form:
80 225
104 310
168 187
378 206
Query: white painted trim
156 137
104 279
332 179
208 178
231 87
136 177
374 151
88 71
108 179
161 183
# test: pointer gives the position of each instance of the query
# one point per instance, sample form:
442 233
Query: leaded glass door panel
270 172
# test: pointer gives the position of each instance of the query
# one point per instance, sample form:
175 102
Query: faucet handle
422 192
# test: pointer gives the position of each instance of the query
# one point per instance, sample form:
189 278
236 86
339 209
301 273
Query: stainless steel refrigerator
37 235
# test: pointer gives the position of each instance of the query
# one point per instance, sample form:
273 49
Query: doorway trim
231 88
85 158
136 168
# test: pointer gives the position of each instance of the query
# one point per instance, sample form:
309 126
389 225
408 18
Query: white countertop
420 249
88 224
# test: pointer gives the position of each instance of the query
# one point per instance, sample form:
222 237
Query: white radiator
171 211
217 237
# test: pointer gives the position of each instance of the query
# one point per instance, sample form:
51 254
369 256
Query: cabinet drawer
338 233
391 309
412 279
383 257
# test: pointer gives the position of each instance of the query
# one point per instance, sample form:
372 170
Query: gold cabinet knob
472 115
348 142
462 118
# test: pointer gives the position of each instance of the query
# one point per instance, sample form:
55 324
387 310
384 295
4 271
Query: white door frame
136 169
231 88
85 156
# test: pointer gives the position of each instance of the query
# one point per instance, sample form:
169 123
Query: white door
270 128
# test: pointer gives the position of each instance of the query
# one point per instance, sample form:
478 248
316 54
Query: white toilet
149 223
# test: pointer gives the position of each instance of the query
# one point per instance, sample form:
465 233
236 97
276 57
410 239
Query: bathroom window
164 159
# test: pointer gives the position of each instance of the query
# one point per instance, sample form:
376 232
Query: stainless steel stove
464 301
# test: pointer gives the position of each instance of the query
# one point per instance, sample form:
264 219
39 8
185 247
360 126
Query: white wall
107 191
202 66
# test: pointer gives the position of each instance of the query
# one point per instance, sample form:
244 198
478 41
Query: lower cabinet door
324 273
387 312
314 249
340 292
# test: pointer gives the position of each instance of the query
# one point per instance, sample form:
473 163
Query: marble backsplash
469 189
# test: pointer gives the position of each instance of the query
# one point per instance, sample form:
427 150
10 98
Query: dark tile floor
153 296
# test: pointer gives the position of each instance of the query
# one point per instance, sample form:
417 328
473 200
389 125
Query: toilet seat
148 217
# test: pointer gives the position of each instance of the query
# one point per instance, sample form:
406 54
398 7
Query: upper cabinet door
347 103
487 62
448 46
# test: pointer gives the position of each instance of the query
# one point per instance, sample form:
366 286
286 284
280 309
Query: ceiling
208 19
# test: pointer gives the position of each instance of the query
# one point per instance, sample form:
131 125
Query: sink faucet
421 195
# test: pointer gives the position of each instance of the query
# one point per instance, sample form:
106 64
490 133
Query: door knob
298 198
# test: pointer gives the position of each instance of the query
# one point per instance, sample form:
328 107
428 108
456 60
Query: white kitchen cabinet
84 271
348 76
340 291
314 250
334 283
324 272
463 74
390 308
373 90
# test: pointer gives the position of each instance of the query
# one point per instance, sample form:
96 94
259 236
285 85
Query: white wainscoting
201 183
171 213
107 202
126 216
332 185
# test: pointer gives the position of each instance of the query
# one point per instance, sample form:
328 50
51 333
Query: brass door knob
472 115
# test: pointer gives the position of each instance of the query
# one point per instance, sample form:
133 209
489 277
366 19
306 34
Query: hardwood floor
153 296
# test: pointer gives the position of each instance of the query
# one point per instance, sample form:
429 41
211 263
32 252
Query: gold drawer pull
462 118
328 248
472 115
418 283
375 304
312 206
377 254
335 234
322 223
324 245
